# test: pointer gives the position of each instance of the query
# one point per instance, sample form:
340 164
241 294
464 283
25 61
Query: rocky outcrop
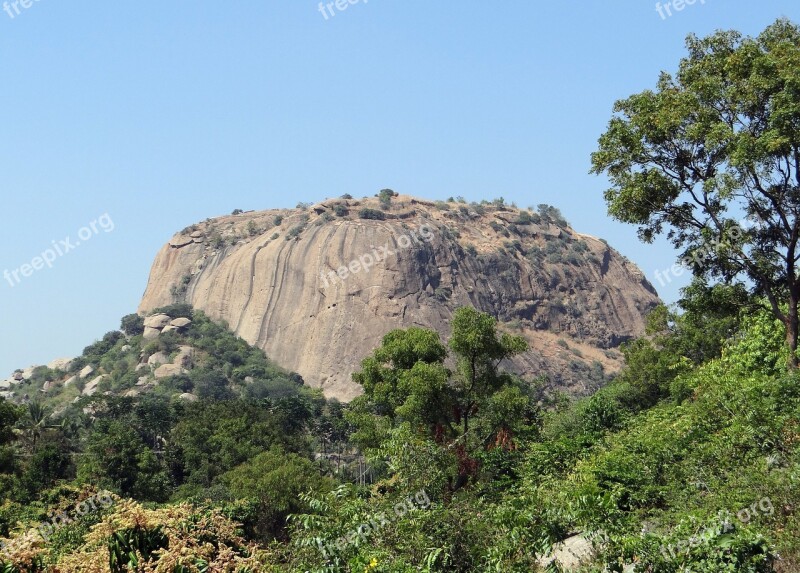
317 289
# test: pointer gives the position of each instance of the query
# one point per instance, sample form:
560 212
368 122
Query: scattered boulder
158 359
143 381
5 384
157 321
88 370
181 322
91 387
60 364
151 333
184 357
570 553
188 397
168 328
69 381
168 370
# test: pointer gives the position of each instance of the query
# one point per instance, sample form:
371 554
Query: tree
408 388
479 352
274 481
9 415
132 324
719 141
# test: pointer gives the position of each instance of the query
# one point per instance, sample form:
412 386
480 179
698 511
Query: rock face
317 289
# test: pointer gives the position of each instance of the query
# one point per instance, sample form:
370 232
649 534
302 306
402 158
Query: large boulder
181 322
184 357
157 321
91 387
60 364
87 371
150 333
167 370
571 553
158 359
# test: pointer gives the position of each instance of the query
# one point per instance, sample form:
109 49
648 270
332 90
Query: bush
277 220
374 214
341 210
524 218
346 196
179 310
443 294
385 197
132 324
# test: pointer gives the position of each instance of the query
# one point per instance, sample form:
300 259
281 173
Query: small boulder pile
161 323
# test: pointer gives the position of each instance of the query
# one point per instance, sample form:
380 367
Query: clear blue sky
162 114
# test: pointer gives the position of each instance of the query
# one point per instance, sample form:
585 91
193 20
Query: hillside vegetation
688 458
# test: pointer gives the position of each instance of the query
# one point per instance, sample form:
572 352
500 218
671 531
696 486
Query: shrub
274 236
277 220
132 324
178 310
341 210
535 255
524 218
237 212
442 294
217 241
374 214
385 197
346 196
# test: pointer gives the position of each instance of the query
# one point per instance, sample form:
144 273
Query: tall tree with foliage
718 141
407 386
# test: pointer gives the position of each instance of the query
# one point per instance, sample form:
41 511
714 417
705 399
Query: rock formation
317 288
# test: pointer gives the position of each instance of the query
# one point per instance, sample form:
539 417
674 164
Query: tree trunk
792 331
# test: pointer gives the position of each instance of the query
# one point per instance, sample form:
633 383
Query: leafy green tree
212 438
408 388
116 457
680 339
274 480
9 415
718 141
132 324
404 377
479 352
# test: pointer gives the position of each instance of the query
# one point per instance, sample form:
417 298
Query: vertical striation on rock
294 283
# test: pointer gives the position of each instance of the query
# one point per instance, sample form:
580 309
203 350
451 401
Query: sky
123 122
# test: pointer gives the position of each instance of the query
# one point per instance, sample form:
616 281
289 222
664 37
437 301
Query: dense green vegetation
689 457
